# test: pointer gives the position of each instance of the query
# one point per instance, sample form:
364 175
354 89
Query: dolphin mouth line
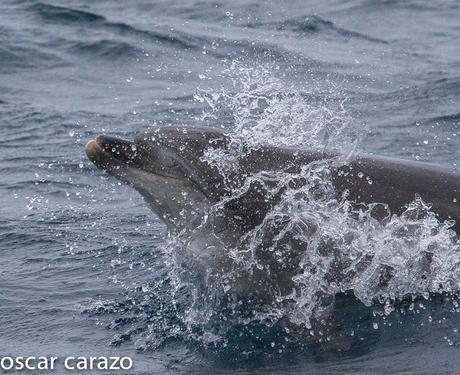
118 157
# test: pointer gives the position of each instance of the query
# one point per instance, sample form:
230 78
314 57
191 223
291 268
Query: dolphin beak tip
92 149
92 144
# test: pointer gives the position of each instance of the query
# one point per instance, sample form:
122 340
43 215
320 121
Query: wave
15 58
414 5
450 118
442 90
315 24
435 88
67 15
108 49
192 39
9 57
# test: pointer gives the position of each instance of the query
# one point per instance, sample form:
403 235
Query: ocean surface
86 267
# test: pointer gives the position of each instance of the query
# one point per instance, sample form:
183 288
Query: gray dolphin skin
166 166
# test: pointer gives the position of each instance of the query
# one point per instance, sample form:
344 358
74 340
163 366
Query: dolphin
169 167
166 165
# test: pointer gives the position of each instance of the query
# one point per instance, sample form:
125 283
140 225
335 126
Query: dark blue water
85 265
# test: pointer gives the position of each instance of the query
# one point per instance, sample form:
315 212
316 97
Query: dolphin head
166 166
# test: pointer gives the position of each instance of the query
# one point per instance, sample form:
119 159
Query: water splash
312 246
265 108
285 274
